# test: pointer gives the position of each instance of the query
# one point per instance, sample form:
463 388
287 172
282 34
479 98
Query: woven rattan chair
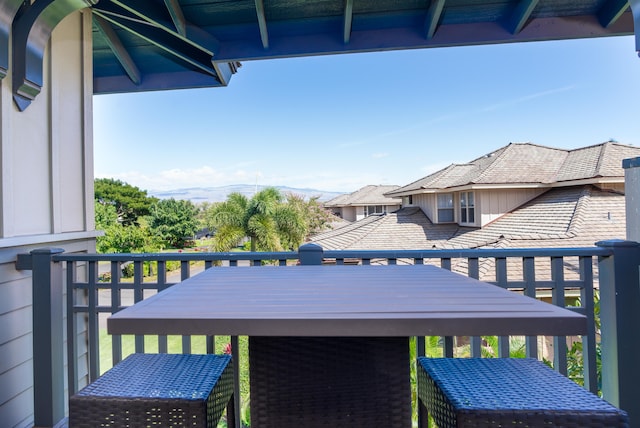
159 390
492 392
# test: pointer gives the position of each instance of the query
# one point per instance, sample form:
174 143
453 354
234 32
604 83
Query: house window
445 208
467 208
373 209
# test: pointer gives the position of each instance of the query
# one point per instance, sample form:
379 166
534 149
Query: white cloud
379 155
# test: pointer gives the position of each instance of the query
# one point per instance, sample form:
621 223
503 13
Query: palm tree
266 219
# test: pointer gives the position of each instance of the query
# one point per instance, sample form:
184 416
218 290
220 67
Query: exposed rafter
433 17
8 10
521 15
31 33
146 13
176 16
262 23
611 10
118 49
143 21
348 20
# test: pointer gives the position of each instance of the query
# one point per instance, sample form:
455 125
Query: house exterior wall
492 204
46 195
359 213
632 198
428 204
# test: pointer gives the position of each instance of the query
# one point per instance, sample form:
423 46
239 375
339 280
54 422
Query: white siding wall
428 204
46 187
491 204
359 213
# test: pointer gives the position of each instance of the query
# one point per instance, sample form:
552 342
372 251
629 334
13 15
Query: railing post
620 325
310 254
48 346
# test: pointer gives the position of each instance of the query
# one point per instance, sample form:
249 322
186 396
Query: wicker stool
160 390
492 392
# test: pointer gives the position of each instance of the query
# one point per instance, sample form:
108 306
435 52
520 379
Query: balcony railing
567 277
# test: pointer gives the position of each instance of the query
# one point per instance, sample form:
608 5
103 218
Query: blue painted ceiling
142 45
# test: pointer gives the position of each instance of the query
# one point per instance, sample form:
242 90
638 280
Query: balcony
75 293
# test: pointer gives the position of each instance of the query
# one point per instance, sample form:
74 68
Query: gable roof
368 195
527 164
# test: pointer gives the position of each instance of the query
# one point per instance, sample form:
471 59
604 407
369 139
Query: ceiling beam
176 16
521 15
30 36
8 10
348 21
262 23
433 18
611 11
118 49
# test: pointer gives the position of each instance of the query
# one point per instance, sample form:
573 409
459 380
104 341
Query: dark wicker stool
159 390
492 392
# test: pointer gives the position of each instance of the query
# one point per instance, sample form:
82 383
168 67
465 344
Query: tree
266 219
174 221
318 218
129 201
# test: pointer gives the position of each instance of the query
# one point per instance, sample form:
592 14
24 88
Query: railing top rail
346 254
187 256
470 253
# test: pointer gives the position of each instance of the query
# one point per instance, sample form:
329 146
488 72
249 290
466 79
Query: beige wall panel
30 158
14 295
427 203
67 125
15 324
18 412
19 378
492 204
14 353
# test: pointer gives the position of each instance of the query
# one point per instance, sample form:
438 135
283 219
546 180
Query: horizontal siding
18 412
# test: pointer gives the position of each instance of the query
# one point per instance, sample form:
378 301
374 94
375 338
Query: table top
394 300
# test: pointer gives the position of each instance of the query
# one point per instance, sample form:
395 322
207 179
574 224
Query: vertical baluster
72 330
558 299
502 281
529 277
473 270
589 340
93 327
185 273
138 296
163 346
116 303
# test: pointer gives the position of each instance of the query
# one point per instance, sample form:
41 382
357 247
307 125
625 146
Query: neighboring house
522 195
364 202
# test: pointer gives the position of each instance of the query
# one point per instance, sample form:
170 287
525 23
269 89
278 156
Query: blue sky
337 123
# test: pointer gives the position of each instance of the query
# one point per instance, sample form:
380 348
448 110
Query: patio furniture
498 392
160 390
316 331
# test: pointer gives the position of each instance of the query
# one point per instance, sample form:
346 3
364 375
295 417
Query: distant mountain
219 194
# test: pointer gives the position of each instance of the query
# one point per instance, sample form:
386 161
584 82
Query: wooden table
329 344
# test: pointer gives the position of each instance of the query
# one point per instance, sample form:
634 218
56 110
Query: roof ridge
577 220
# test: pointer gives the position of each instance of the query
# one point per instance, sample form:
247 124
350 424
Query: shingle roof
405 229
368 195
561 217
527 163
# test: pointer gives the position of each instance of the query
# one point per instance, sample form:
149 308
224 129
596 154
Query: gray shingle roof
525 163
368 195
561 217
405 229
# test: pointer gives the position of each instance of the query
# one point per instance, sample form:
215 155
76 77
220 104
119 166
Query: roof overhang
142 45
